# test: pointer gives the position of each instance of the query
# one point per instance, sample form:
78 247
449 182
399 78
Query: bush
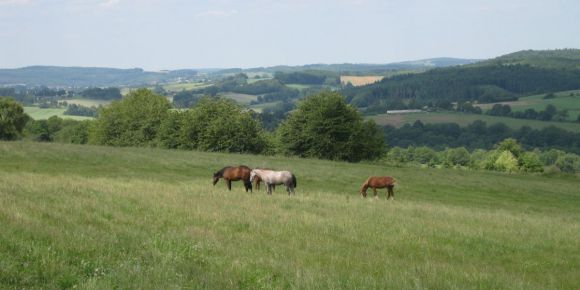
551 156
506 161
457 156
569 163
530 162
12 119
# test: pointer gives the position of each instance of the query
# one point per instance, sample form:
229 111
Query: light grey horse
272 178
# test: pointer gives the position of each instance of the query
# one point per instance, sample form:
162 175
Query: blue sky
170 34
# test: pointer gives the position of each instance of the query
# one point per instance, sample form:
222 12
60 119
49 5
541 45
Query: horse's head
252 175
216 178
363 189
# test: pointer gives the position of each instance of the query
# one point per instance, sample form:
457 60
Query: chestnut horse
375 182
230 174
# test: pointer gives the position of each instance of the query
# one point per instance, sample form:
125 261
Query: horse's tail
294 180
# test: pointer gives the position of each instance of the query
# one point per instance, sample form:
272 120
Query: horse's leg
229 183
391 192
375 192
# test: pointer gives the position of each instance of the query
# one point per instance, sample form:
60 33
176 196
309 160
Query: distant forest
484 84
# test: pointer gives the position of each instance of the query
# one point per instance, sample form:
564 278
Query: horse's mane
245 167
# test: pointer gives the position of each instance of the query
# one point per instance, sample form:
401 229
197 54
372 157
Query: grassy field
37 113
87 102
260 107
240 98
178 87
567 100
100 218
399 120
253 80
298 86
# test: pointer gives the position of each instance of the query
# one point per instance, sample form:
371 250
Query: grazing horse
375 182
272 178
230 174
258 180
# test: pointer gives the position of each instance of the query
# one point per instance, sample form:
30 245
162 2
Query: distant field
178 87
260 107
240 98
360 80
399 120
253 80
43 114
298 86
569 100
87 102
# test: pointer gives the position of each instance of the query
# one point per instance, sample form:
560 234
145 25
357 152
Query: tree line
550 113
144 118
480 135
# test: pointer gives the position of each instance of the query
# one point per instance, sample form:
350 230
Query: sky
176 34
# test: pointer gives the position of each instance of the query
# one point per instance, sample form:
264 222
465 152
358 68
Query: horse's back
380 181
237 173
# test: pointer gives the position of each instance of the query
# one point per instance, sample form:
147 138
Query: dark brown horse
375 182
230 174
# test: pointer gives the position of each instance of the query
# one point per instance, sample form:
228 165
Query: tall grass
100 218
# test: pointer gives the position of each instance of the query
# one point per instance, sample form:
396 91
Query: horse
258 180
272 178
230 174
375 182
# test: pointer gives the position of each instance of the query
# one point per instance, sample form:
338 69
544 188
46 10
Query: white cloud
218 13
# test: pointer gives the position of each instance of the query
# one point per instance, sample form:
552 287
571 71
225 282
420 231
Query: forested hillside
502 79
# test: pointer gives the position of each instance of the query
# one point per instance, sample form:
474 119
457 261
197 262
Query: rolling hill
54 76
502 79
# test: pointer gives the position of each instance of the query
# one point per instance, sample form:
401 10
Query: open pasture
92 217
243 99
567 100
178 87
87 102
37 113
398 120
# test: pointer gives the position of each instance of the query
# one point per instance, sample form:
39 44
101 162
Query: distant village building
403 111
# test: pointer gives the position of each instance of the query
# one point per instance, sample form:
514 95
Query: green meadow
567 100
91 217
463 120
37 113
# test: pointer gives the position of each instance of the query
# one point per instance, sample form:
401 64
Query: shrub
530 162
569 163
506 161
